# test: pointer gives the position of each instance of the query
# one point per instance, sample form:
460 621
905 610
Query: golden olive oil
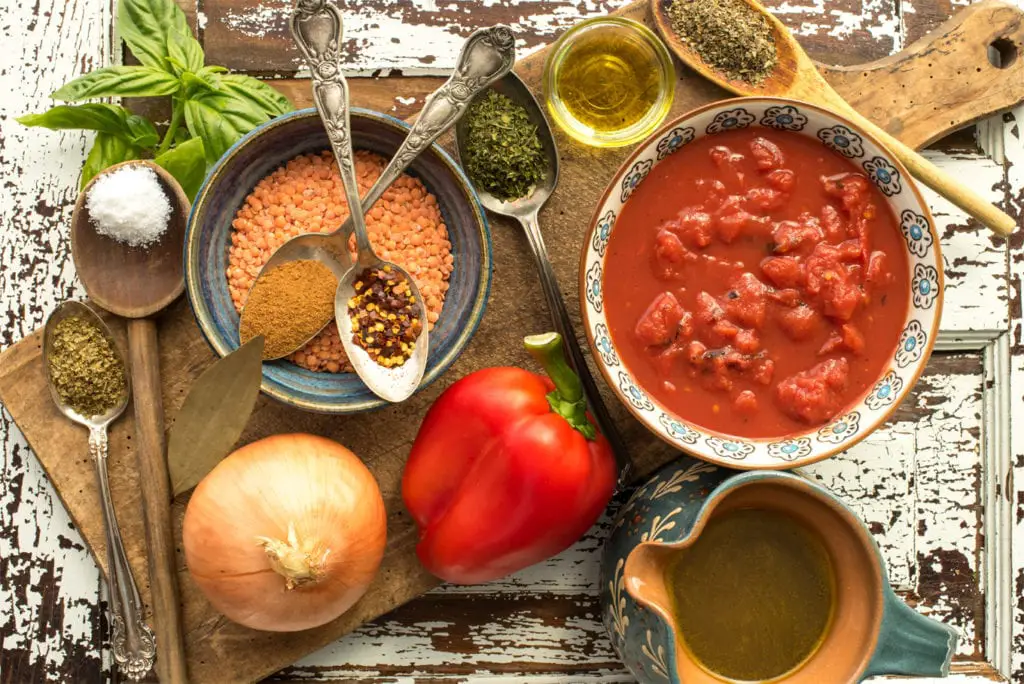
609 80
753 596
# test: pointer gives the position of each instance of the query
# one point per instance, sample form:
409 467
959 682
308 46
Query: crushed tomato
756 283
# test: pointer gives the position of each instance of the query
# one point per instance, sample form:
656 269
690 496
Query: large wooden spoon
137 283
795 76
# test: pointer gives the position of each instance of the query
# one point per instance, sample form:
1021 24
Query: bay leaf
214 415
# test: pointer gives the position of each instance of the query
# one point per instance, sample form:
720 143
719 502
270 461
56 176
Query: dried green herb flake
503 154
729 36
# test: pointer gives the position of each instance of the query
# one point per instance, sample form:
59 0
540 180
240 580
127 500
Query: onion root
298 563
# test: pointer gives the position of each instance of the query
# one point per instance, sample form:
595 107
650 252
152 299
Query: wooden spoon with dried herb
742 47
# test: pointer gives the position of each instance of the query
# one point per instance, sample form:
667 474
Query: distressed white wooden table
942 487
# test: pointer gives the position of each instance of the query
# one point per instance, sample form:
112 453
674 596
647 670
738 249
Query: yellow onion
286 533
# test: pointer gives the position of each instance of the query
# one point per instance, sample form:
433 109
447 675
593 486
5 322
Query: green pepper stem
567 400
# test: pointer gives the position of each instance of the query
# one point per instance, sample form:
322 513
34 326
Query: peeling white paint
44 47
1013 149
878 17
255 21
386 40
876 478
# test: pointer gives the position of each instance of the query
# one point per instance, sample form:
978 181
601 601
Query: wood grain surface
943 574
150 448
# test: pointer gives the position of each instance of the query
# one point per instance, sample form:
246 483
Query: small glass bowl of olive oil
609 82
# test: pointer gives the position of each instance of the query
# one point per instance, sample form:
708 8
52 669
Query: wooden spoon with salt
795 76
137 283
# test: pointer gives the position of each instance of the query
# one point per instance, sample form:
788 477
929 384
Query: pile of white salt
129 205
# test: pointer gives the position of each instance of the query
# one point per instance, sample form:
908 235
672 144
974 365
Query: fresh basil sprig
210 108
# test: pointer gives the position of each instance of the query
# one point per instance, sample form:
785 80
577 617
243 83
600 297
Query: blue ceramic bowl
261 152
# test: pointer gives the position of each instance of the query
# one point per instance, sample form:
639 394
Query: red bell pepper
507 470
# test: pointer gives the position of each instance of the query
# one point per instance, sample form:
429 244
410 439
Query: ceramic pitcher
872 631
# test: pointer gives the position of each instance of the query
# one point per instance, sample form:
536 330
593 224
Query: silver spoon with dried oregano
88 381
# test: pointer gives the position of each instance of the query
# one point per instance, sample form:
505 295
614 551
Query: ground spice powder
86 370
289 305
727 34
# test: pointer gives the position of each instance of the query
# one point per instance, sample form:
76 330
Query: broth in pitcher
753 596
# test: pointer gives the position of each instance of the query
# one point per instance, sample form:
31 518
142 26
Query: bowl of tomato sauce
762 283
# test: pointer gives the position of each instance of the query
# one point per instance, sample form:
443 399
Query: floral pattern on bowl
675 139
784 117
925 286
885 391
790 449
912 344
925 297
842 140
634 177
603 232
730 120
603 342
916 231
884 175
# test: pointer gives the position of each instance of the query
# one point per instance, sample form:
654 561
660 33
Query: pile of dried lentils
306 196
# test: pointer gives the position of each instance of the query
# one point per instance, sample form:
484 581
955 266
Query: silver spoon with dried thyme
88 381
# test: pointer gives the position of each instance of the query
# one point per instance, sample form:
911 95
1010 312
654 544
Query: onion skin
301 496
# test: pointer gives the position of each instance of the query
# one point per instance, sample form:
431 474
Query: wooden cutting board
936 85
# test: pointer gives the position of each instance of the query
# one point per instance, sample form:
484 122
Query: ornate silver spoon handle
132 640
486 56
316 26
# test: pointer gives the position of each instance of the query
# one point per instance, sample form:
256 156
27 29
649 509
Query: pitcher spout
645 577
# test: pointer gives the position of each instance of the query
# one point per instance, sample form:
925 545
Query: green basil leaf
185 49
124 81
211 69
141 131
187 163
94 117
257 92
220 120
107 151
195 83
176 67
146 26
105 118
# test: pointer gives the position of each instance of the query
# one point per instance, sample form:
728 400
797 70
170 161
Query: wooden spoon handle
935 178
151 456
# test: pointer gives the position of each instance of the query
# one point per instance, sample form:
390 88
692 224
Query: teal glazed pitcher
872 631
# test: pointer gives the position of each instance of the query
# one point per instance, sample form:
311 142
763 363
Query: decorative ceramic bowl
261 152
872 632
919 329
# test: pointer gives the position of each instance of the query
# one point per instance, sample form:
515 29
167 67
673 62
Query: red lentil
306 196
